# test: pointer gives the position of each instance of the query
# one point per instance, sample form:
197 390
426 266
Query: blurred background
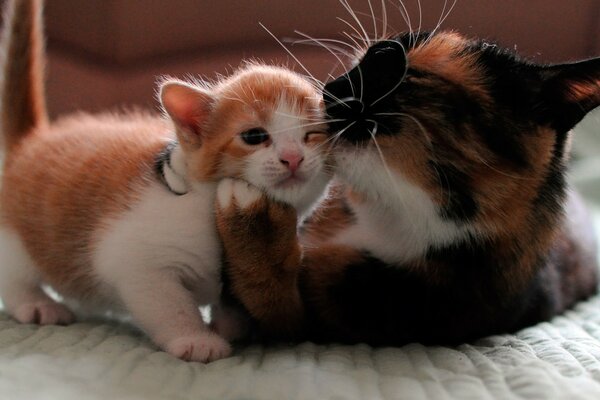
109 53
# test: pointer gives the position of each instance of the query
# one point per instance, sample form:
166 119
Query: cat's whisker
447 14
384 22
348 8
362 84
337 100
375 38
341 132
415 120
298 117
442 18
344 100
291 54
358 35
375 32
420 18
484 162
404 12
330 48
304 126
352 38
321 41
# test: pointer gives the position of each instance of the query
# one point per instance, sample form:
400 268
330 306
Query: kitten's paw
238 192
44 313
204 347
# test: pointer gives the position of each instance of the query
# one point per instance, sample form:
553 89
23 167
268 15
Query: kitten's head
263 124
464 126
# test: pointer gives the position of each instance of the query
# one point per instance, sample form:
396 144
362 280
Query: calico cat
117 211
450 217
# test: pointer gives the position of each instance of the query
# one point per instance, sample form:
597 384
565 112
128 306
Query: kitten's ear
570 91
189 108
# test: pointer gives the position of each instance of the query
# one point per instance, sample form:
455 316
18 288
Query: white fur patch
225 193
400 221
235 191
164 231
245 194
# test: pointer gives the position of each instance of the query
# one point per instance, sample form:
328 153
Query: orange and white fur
85 210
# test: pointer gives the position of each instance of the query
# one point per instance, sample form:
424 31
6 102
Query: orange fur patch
441 55
267 281
60 185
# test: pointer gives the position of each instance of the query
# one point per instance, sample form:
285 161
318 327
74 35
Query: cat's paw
237 192
203 347
44 313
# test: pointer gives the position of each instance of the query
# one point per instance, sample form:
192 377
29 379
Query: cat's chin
301 193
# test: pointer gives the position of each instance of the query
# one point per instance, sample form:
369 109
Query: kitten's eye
315 137
255 136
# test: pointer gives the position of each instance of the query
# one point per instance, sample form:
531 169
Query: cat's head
263 124
462 125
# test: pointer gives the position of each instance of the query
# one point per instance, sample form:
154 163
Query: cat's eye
315 137
255 136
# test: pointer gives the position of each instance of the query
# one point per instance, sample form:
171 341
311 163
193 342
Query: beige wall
106 53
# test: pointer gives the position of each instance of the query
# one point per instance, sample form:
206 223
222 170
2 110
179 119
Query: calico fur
450 216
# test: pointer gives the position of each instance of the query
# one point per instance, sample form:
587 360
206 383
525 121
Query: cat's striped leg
20 288
262 255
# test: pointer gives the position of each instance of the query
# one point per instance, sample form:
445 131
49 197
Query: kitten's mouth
290 181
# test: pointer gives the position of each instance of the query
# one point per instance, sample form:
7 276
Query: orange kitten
116 211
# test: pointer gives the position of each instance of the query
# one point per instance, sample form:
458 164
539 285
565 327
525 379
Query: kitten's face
264 125
466 126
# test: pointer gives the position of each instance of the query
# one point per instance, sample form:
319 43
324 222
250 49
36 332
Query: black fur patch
458 203
464 299
164 158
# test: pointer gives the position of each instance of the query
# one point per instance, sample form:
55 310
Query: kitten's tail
22 96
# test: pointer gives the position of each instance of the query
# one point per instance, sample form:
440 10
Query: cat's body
117 211
451 217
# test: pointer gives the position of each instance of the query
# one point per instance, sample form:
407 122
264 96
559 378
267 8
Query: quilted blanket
99 360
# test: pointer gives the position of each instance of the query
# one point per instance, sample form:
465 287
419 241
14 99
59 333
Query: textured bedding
93 360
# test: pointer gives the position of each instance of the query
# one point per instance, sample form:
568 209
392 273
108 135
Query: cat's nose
291 160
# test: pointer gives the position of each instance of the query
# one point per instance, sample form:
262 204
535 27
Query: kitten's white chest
164 231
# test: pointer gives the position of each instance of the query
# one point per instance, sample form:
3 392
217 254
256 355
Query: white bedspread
99 360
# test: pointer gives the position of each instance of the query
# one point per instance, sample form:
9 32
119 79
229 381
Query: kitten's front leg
169 314
262 255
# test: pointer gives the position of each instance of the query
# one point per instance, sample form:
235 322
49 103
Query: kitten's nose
291 160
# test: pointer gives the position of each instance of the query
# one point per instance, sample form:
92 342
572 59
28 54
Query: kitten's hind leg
20 288
168 312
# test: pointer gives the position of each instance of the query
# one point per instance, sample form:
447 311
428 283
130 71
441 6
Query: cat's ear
570 91
188 107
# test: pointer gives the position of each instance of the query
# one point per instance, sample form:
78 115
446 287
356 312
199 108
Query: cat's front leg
168 312
262 256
